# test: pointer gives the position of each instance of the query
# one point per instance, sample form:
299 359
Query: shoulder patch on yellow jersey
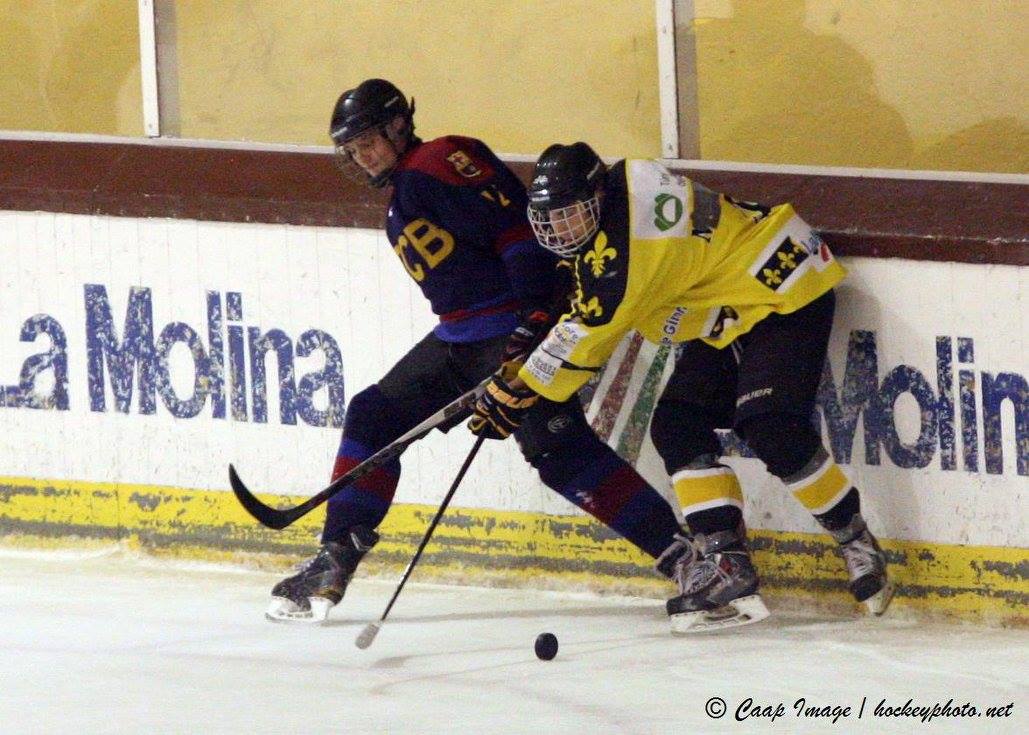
660 202
792 250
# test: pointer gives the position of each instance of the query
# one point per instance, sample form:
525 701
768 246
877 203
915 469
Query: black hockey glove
501 409
534 327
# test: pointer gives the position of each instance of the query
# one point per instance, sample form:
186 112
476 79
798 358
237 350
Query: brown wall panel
923 220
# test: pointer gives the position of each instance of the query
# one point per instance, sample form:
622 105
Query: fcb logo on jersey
785 260
463 165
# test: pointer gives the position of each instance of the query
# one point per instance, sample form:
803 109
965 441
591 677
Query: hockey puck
546 646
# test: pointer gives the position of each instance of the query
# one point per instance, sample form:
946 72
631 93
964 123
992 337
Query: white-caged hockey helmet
564 197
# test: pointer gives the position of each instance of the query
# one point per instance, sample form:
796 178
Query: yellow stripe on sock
708 488
822 490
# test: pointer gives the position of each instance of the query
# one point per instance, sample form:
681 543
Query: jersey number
431 243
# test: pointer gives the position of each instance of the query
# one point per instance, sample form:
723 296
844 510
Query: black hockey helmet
374 103
564 197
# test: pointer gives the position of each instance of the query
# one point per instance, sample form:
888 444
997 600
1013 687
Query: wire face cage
566 229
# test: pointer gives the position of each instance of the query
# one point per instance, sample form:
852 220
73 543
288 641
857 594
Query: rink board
138 357
492 547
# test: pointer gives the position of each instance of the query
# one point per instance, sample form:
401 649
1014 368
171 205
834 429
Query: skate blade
878 602
286 611
742 611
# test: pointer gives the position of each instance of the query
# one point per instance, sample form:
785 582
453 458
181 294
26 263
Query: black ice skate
719 587
866 564
308 595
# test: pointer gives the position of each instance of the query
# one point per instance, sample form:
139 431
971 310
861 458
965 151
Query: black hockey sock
841 514
712 520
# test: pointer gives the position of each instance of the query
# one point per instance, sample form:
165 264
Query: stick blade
264 514
366 636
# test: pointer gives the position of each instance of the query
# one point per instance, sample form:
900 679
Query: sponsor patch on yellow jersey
664 209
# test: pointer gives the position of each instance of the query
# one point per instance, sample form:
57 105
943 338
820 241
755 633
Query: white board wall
902 328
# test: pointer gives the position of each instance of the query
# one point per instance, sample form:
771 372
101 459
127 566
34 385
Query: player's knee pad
558 442
681 433
552 429
370 419
564 466
784 442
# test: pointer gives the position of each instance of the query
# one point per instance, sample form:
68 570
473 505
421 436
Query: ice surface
113 643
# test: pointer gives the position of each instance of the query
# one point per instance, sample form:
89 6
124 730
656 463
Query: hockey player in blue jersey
457 222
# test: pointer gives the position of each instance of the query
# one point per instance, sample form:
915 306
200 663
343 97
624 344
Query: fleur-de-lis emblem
598 256
591 307
787 260
772 277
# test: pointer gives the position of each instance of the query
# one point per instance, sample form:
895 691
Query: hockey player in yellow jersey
746 291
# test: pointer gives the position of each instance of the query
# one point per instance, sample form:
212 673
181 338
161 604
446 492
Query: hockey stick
365 638
280 518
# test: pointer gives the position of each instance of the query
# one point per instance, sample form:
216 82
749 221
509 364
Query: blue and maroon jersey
458 223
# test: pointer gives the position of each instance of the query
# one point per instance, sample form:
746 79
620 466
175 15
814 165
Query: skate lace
308 563
860 556
688 556
703 571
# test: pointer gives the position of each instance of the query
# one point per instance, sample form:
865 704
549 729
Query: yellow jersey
676 262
